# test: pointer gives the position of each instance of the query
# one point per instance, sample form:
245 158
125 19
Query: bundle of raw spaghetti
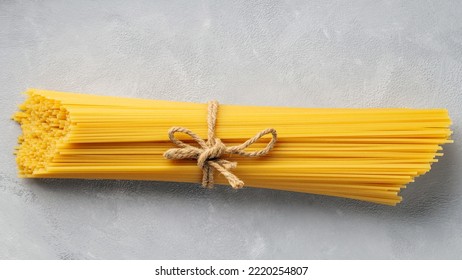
365 154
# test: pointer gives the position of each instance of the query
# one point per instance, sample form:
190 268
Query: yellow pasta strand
364 154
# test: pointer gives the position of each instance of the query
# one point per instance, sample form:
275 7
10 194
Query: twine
209 154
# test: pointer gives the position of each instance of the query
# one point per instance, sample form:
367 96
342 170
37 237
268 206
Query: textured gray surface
291 53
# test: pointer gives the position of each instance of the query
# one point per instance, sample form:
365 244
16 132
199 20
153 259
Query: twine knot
208 154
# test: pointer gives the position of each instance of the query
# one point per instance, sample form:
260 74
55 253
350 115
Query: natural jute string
208 155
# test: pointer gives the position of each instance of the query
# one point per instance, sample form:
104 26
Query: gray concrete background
291 53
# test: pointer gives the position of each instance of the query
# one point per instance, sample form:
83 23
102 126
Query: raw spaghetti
364 154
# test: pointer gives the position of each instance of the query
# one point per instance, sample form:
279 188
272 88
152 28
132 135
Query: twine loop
208 154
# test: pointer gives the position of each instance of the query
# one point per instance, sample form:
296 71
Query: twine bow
209 154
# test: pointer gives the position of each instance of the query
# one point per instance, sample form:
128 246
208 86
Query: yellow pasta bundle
364 154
